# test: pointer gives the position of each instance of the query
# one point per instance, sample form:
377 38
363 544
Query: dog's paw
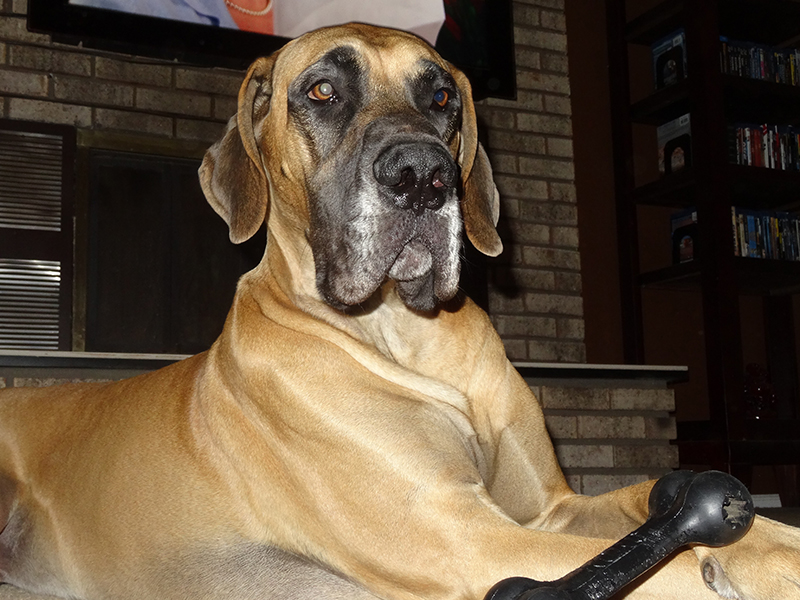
764 565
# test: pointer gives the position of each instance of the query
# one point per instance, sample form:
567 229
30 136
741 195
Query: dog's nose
417 175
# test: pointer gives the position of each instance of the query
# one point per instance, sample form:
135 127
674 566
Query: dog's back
45 436
44 431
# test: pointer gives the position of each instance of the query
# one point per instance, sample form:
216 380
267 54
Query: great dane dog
357 430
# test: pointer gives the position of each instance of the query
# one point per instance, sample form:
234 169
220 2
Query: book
674 145
684 236
669 59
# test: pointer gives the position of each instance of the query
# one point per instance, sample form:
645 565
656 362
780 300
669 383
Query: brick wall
535 288
610 437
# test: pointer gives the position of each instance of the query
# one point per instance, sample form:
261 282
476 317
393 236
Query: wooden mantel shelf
533 371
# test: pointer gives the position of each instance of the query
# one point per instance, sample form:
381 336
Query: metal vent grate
30 180
29 301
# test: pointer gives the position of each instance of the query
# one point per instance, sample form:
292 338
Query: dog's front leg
765 564
524 476
522 471
460 545
525 479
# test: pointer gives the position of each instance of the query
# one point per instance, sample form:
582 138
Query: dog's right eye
440 98
322 92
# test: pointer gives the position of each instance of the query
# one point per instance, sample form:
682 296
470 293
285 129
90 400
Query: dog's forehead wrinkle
390 64
342 58
429 70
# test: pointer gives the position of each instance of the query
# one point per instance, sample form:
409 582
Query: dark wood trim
141 144
68 227
624 183
779 327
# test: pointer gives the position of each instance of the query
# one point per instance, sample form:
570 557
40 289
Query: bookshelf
731 438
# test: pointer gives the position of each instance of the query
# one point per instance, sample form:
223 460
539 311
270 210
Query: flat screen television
475 35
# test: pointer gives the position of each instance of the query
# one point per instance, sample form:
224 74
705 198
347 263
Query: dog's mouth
421 254
414 274
413 262
425 268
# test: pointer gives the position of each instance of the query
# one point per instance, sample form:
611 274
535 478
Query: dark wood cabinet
161 269
731 438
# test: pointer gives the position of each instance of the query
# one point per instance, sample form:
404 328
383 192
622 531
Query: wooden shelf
675 190
771 428
746 101
738 20
756 101
655 24
682 277
775 25
754 276
662 105
764 189
767 441
755 188
740 452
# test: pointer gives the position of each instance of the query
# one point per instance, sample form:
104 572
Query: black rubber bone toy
710 509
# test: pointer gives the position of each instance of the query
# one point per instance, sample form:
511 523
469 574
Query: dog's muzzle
417 176
399 219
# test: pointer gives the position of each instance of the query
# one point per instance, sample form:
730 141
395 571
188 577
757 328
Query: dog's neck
383 323
377 323
290 263
385 336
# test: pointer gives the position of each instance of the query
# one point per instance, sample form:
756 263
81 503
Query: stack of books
770 146
765 234
756 61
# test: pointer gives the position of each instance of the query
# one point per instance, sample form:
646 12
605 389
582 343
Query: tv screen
475 35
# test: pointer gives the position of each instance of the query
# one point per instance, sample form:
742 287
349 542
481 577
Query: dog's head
364 140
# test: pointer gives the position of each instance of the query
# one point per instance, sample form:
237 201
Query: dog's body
351 413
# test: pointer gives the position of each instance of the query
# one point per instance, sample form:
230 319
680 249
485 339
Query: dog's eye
322 92
440 99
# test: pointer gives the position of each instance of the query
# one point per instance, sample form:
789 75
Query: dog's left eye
440 99
322 92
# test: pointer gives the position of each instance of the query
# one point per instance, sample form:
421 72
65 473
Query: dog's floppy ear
481 202
233 176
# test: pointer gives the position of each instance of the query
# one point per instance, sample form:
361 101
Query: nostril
408 179
436 180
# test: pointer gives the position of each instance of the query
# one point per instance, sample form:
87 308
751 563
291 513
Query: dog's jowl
356 431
